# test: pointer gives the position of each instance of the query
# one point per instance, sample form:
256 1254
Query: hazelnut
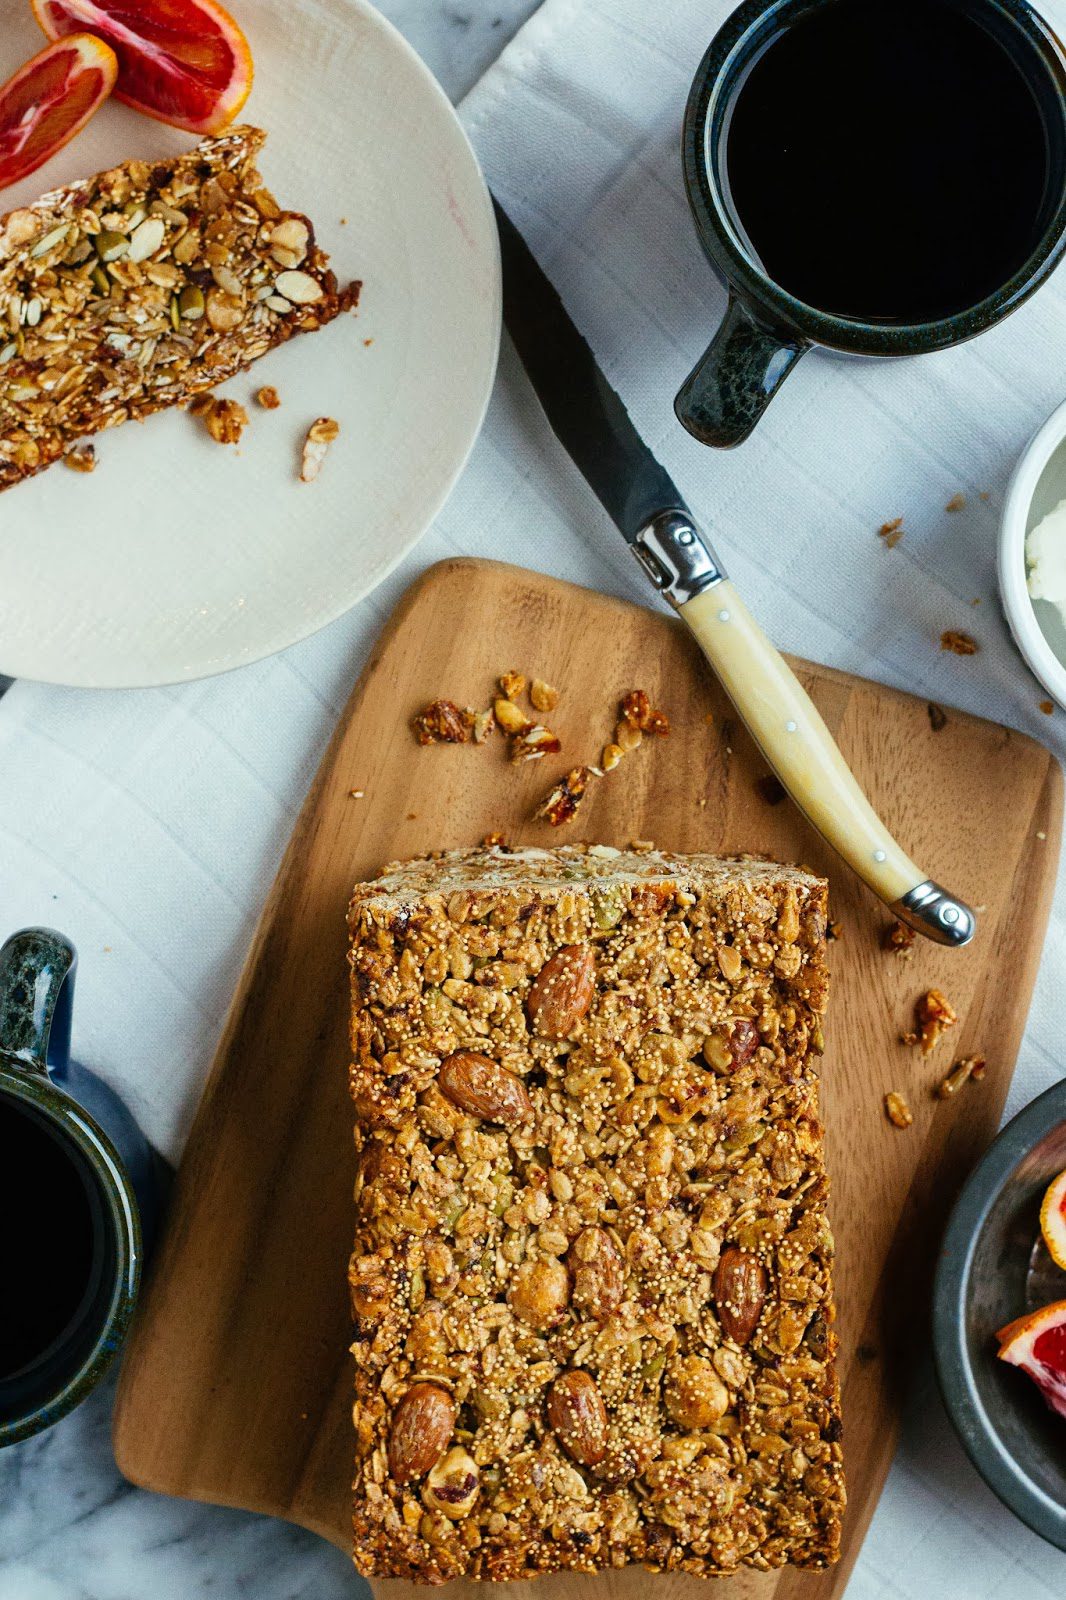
694 1394
540 1293
452 1485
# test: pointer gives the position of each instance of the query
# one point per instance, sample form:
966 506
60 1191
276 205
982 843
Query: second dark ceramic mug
78 1195
765 329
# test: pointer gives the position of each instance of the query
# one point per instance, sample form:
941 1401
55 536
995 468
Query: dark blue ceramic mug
766 328
77 1197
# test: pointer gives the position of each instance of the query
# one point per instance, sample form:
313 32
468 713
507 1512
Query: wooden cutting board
236 1381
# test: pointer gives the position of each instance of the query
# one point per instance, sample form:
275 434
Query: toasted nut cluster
591 1276
965 1068
542 697
598 1272
225 420
442 722
268 397
81 459
933 1016
142 286
898 940
897 1110
320 435
561 803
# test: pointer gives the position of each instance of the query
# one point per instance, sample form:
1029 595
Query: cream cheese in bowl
1045 550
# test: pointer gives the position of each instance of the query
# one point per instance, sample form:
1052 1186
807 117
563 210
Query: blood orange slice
1053 1220
49 100
182 61
1037 1344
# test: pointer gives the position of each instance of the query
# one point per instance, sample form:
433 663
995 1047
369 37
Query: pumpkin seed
110 246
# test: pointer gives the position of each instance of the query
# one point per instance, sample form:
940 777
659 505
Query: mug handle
730 387
37 967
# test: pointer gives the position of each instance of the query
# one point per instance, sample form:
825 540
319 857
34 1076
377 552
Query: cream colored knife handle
792 736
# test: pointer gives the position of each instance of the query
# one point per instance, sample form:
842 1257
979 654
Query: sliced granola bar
591 1279
135 290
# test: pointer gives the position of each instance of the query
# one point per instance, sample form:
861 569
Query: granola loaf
591 1279
135 290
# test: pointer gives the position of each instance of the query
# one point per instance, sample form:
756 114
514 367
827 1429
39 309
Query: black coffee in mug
55 1273
890 160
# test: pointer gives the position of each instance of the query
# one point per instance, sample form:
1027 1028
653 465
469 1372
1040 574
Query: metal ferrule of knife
683 566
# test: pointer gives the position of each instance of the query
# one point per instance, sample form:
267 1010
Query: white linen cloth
148 825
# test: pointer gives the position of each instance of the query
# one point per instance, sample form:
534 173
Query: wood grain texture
237 1380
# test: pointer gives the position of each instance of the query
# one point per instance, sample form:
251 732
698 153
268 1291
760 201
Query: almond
482 1087
599 1272
578 1417
739 1292
422 1427
562 992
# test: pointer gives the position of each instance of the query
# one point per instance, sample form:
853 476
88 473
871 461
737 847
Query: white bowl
1038 485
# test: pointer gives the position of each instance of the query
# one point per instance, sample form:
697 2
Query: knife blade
592 424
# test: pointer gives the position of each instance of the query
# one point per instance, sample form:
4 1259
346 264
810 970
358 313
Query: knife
641 498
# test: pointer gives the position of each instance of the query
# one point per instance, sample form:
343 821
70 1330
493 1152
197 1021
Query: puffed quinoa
140 287
603 1262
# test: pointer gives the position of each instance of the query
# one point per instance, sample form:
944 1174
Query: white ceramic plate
179 557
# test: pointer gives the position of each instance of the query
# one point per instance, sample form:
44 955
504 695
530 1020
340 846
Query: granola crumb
533 743
442 722
562 803
897 1110
984 495
771 789
933 1016
641 847
898 940
542 696
891 532
636 710
959 643
356 794
225 420
834 932
81 459
1047 707
612 755
938 717
509 717
965 1068
484 723
494 841
511 684
268 397
956 503
320 435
